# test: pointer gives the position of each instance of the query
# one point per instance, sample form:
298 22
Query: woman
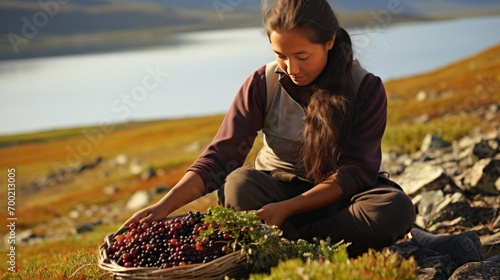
323 118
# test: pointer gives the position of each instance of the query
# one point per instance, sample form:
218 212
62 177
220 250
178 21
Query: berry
168 243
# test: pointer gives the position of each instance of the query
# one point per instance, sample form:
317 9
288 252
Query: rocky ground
455 188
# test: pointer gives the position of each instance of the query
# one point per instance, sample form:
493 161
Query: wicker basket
231 265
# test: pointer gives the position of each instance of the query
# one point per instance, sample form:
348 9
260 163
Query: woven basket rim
232 263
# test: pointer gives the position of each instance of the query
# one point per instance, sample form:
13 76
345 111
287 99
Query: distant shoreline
129 40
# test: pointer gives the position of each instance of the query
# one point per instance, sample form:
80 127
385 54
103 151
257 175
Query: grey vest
283 125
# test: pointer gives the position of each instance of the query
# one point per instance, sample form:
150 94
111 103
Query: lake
200 72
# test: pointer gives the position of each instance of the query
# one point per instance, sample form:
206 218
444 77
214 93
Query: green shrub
262 245
374 265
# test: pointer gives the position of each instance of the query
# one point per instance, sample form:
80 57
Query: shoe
462 248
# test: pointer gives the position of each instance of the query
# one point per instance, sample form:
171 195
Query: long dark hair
331 112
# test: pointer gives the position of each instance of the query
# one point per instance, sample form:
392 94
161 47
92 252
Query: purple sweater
230 146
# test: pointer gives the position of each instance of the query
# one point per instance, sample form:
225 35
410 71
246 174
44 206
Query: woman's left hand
273 214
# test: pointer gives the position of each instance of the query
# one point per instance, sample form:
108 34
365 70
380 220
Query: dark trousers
375 218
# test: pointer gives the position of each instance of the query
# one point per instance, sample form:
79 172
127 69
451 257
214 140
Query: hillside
97 26
451 102
66 179
30 28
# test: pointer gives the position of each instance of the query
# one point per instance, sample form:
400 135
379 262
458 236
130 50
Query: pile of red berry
168 243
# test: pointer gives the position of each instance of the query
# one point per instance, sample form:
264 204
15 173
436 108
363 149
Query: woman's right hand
189 188
151 213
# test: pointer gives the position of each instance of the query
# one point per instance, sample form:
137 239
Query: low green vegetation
372 265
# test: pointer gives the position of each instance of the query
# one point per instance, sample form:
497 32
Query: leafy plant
271 257
372 265
263 245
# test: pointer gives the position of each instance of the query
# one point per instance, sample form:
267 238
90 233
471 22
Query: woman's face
302 60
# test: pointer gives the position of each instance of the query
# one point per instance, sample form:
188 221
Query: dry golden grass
133 139
158 144
465 85
453 93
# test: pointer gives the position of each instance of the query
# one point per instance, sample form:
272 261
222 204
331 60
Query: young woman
323 118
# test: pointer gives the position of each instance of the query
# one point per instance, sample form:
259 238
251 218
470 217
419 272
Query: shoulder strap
272 82
272 78
358 74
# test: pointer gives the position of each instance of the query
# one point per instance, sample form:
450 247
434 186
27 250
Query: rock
465 143
481 230
431 265
421 96
147 174
484 215
405 248
135 169
417 199
431 273
160 172
421 221
433 142
483 149
491 244
138 201
491 199
160 189
395 163
495 145
194 147
435 267
477 270
444 226
451 207
74 214
421 119
121 159
420 177
463 150
86 227
495 258
452 168
92 210
482 176
90 165
451 199
429 200
25 236
80 207
110 190
436 263
496 223
425 204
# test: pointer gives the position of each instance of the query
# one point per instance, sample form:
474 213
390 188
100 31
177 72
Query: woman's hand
189 188
151 213
273 214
